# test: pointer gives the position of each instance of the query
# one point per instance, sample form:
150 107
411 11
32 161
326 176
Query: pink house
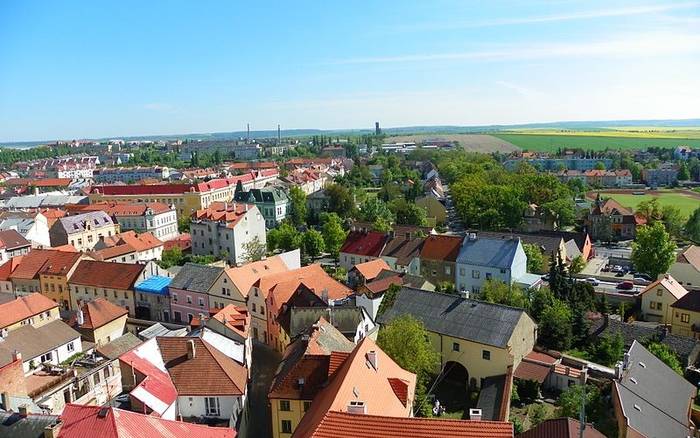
188 291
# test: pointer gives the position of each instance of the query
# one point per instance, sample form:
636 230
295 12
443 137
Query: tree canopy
653 251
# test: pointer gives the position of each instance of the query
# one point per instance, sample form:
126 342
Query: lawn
686 203
592 141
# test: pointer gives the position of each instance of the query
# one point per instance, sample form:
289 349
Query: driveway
257 422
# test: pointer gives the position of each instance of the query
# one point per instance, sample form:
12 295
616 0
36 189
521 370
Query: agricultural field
470 142
599 140
687 201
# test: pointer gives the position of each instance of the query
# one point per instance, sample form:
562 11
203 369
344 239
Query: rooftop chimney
16 356
80 316
23 410
475 414
625 361
373 359
5 398
357 407
190 349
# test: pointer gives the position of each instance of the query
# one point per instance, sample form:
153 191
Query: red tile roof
11 239
60 263
183 241
81 421
106 274
284 284
343 425
99 312
138 241
209 372
235 318
122 208
560 428
371 269
400 388
532 371
24 307
382 285
231 212
445 248
41 182
8 267
367 244
156 390
33 262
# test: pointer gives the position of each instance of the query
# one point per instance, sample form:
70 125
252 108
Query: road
257 422
454 223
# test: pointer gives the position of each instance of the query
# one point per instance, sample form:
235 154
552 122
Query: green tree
408 213
577 265
183 224
495 291
541 299
666 355
570 402
171 257
608 349
313 243
563 210
254 250
284 237
600 165
333 232
340 200
692 226
653 251
555 326
672 219
374 210
389 298
297 200
683 172
535 258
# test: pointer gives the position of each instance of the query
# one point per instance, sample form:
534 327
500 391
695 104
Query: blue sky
76 69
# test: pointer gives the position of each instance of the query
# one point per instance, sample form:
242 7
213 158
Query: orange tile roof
138 241
372 268
106 274
670 284
8 267
243 277
24 307
209 372
112 252
235 318
231 212
343 425
60 263
33 262
284 284
99 312
445 248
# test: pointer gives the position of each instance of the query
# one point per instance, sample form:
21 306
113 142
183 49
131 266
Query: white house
50 343
481 259
34 227
686 268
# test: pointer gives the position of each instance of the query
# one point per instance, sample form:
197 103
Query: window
485 354
212 406
177 315
284 406
476 274
455 346
307 405
659 293
201 302
174 298
685 317
70 347
503 271
654 305
448 270
286 426
262 310
488 275
189 299
254 307
46 357
461 272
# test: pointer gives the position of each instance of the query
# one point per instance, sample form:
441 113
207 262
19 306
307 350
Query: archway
456 373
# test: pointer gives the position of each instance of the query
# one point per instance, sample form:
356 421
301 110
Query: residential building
272 202
649 398
188 291
83 231
482 258
685 320
475 339
129 247
100 322
156 218
665 175
658 297
317 202
14 424
361 246
369 296
55 273
152 299
78 421
561 428
438 258
685 152
551 370
548 243
554 164
34 202
536 218
307 364
576 243
309 181
73 167
6 271
402 250
27 278
130 175
365 272
352 321
225 230
12 244
50 343
609 220
112 281
233 323
686 268
34 309
598 178
31 225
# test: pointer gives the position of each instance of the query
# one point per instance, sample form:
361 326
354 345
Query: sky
85 69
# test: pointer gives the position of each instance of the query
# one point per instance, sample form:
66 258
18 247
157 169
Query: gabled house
649 398
561 428
233 323
113 281
13 244
482 258
34 309
273 203
658 297
362 273
129 247
609 220
152 299
361 246
402 251
99 321
188 291
83 231
685 319
26 276
438 258
686 268
55 273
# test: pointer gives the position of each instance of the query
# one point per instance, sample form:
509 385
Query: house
188 291
666 175
157 218
234 324
658 297
361 246
482 258
474 338
685 319
112 281
82 231
12 244
99 321
304 287
536 218
609 220
306 365
78 421
649 398
434 208
576 243
352 321
551 370
51 343
438 258
152 299
369 296
130 175
32 225
686 268
6 269
548 244
561 428
26 277
129 247
402 251
272 202
34 310
317 202
361 273
225 230
55 273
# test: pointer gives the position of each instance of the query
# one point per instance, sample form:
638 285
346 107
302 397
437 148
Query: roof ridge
464 299
209 347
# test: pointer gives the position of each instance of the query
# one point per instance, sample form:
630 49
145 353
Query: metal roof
154 285
497 253
196 278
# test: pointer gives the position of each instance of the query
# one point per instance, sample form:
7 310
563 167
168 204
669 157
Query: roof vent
357 407
638 408
642 364
301 381
475 414
633 380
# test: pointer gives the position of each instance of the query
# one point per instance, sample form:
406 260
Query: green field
552 142
686 203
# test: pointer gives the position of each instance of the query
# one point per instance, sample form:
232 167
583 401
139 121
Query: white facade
54 357
369 305
214 238
162 225
35 230
225 407
471 277
130 174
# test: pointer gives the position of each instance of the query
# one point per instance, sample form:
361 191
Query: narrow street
257 422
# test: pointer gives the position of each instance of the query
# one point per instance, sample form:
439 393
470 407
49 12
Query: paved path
257 422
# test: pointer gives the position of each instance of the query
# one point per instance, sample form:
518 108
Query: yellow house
34 309
471 345
109 280
658 297
297 380
686 315
54 275
100 322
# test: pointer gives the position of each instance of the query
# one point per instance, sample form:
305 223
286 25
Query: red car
625 285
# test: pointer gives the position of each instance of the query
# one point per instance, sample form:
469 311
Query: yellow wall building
658 297
685 319
34 309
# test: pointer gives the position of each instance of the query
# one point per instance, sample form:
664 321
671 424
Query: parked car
620 274
616 268
625 285
647 277
641 281
592 281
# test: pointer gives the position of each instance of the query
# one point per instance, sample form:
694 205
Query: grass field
686 201
592 141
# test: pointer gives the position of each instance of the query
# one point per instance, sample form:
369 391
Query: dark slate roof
578 237
496 253
451 315
344 318
196 278
657 401
689 301
490 397
547 244
681 345
266 195
15 425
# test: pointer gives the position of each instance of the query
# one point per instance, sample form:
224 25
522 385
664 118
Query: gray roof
344 318
264 195
547 244
33 342
159 329
451 315
196 278
36 201
119 346
78 223
491 396
655 400
15 425
496 253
